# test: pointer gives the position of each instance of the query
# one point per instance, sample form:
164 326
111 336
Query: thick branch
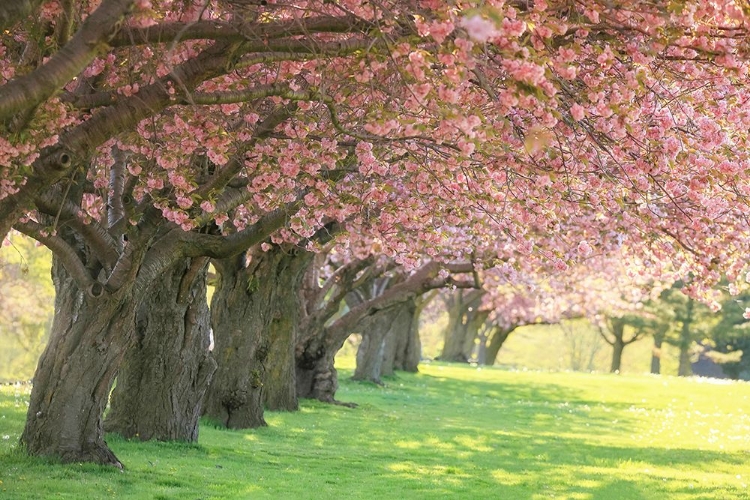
12 11
33 88
96 237
214 30
62 251
415 285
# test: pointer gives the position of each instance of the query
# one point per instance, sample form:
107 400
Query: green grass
448 432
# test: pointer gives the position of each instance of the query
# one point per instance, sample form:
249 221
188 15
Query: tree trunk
408 359
88 340
398 342
239 319
280 391
315 372
254 314
455 331
497 339
617 327
372 347
656 354
617 348
685 368
464 320
164 377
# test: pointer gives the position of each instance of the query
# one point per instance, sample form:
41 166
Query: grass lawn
447 432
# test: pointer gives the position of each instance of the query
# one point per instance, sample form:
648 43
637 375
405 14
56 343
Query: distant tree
620 332
730 337
690 322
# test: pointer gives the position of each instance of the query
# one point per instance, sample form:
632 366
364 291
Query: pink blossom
746 315
207 206
577 112
479 29
184 202
584 249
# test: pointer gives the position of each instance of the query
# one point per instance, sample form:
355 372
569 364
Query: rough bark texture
316 375
164 377
372 348
88 340
463 326
254 318
408 358
238 317
399 344
288 266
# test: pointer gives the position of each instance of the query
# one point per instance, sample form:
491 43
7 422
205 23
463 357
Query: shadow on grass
420 436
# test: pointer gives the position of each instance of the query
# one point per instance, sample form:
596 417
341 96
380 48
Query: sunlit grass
448 432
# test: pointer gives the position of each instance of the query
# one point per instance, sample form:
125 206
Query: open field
448 432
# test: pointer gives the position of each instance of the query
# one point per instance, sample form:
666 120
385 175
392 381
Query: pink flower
577 111
584 249
479 29
184 202
747 313
207 206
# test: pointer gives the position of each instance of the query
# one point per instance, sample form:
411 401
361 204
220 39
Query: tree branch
95 236
62 251
35 87
214 30
413 286
12 11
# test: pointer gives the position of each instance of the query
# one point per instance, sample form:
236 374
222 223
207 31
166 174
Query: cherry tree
147 132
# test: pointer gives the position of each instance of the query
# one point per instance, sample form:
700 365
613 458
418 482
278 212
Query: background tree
691 322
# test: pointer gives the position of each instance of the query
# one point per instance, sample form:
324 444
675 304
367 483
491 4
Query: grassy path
448 432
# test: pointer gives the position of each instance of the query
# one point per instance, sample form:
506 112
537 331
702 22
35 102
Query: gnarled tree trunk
88 340
239 317
254 317
463 325
402 342
372 348
287 266
164 377
316 375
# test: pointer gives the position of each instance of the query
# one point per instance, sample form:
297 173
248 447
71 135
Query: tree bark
498 337
372 348
254 314
685 368
656 353
239 317
408 359
618 343
280 390
88 340
617 348
399 342
462 327
164 377
316 374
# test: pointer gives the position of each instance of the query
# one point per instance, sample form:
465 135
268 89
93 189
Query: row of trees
142 138
477 328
